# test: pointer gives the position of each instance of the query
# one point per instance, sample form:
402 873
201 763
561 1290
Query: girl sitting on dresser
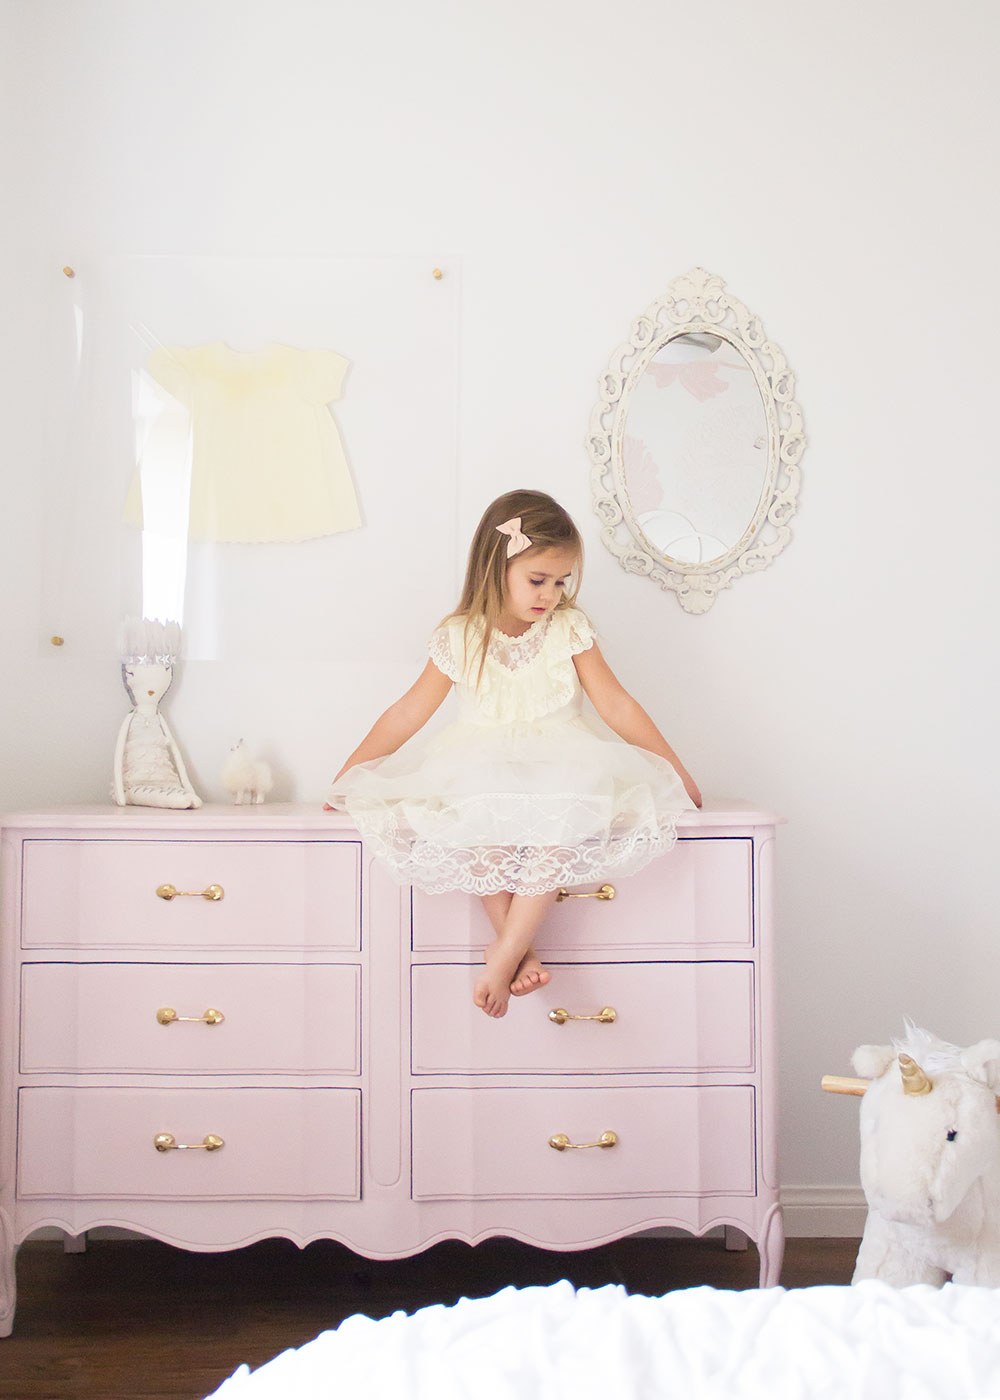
522 794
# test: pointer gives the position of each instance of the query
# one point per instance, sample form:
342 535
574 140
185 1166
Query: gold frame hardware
605 892
168 892
166 1142
561 1142
559 1016
167 1016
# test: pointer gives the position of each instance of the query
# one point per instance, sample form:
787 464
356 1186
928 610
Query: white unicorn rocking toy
930 1159
149 770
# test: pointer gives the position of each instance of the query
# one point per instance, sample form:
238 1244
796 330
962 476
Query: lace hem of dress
480 870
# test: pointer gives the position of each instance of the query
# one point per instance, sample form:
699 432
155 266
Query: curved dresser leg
771 1247
8 1282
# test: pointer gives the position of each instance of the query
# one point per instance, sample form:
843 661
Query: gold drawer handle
561 1142
167 1016
605 892
606 1015
213 892
166 1142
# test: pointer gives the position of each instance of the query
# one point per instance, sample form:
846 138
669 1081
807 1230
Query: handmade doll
149 770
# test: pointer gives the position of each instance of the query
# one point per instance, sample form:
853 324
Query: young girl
522 794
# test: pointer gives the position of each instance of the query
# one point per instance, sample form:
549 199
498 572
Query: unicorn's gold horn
914 1079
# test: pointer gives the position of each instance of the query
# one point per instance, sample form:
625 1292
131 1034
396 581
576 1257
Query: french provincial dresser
226 1024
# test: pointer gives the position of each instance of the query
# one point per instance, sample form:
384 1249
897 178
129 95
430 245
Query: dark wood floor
138 1320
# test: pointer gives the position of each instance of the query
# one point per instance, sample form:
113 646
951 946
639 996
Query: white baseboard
824 1212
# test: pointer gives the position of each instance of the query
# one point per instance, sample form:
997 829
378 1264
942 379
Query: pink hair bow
517 541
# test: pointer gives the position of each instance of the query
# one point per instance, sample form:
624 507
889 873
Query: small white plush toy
930 1161
248 779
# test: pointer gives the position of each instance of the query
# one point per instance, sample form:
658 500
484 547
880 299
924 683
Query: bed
869 1342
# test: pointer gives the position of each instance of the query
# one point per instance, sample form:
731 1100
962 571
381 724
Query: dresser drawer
698 894
668 1016
279 1018
276 894
494 1143
98 1144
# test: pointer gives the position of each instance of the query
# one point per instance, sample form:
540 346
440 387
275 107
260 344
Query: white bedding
869 1342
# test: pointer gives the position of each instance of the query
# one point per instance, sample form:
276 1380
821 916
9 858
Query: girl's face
534 585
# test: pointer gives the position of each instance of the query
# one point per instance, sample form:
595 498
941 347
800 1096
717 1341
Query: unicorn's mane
930 1052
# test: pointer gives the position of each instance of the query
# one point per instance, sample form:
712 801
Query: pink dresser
221 1025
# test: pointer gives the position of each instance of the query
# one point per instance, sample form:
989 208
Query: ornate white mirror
695 443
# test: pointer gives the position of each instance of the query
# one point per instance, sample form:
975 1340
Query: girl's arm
402 720
626 716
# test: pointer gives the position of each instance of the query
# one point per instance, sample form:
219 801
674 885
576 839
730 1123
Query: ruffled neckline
519 637
514 652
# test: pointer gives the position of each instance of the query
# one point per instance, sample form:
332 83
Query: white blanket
870 1342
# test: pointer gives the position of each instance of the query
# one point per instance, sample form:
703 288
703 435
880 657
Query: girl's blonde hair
546 524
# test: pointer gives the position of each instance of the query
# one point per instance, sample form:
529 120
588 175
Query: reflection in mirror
695 448
696 443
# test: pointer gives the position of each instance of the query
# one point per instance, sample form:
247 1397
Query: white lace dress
522 791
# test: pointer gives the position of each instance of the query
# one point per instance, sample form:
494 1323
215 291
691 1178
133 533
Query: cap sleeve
320 374
442 650
579 632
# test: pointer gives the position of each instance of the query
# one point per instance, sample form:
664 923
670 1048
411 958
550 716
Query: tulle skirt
527 807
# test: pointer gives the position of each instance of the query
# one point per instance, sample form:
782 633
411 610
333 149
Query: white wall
835 163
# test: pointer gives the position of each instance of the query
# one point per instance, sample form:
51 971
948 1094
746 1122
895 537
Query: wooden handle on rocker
838 1084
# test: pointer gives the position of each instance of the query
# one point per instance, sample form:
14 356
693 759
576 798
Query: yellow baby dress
522 791
266 459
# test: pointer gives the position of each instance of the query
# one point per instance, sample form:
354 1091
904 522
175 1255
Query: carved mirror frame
696 302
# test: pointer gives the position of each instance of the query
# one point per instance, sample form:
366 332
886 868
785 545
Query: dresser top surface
247 820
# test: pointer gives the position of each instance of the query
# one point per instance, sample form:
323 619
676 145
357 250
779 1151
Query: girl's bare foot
530 975
492 991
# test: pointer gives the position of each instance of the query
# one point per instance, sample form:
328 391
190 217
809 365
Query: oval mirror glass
694 451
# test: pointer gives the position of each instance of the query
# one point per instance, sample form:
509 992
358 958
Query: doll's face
146 684
534 584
